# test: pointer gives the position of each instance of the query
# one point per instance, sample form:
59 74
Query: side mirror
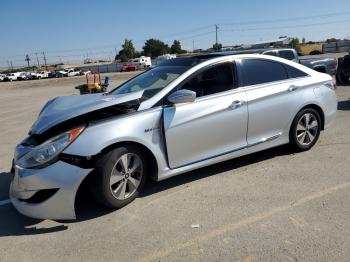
182 96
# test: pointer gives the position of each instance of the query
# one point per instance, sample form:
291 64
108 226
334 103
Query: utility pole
37 59
8 64
216 37
11 65
27 59
45 60
193 46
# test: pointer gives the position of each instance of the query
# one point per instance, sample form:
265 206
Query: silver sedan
184 114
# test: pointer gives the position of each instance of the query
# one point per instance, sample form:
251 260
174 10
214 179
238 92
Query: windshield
153 80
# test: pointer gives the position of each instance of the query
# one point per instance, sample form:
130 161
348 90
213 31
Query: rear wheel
305 129
120 176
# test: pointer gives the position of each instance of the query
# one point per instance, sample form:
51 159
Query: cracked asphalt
270 206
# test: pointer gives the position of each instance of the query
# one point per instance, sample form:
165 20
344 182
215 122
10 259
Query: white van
141 61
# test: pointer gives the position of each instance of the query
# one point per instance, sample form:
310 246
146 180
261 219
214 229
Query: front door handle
292 88
236 104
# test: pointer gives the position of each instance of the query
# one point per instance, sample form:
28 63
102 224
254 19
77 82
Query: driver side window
213 80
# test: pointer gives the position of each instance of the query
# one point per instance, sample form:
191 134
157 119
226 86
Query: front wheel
305 129
119 176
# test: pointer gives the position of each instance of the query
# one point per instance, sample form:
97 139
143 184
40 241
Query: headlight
49 150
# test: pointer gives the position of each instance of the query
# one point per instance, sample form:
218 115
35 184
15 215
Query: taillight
331 84
335 62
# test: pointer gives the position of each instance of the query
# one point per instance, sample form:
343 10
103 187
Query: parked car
23 76
39 75
11 76
85 72
184 114
129 67
74 72
52 74
2 76
68 72
326 65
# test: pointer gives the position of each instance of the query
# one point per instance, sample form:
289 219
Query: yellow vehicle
93 84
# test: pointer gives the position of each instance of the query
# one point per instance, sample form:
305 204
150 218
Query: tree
303 40
127 52
295 43
154 47
176 48
217 46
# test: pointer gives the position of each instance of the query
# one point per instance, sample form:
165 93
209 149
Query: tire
339 79
109 192
302 137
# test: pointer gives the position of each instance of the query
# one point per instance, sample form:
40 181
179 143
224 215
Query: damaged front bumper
47 193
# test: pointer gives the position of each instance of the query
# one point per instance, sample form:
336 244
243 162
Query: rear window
286 54
294 72
273 53
259 71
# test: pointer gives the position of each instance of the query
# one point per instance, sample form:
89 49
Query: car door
273 95
214 124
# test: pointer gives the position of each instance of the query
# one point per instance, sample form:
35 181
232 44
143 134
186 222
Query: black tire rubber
339 79
100 186
292 133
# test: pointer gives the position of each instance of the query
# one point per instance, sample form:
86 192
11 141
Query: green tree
154 47
176 47
217 46
127 52
295 43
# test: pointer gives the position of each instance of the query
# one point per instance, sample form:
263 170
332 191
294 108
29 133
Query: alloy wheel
307 129
126 176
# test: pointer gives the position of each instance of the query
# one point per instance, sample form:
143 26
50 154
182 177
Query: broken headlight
46 152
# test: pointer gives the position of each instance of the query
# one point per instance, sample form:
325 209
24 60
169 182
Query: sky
71 30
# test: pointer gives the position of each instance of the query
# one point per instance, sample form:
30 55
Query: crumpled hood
63 108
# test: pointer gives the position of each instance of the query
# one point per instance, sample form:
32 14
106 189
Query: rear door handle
292 88
236 104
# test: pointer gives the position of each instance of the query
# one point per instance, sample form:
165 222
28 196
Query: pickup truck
11 76
39 75
68 72
326 65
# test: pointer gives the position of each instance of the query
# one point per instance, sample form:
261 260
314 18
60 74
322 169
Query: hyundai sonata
184 114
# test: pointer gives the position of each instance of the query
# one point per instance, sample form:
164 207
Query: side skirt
266 143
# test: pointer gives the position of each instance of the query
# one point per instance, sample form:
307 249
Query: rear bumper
330 113
62 178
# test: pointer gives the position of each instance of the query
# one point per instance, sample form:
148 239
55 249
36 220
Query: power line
282 27
198 29
287 19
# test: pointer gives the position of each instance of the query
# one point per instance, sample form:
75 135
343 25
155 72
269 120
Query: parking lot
272 205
